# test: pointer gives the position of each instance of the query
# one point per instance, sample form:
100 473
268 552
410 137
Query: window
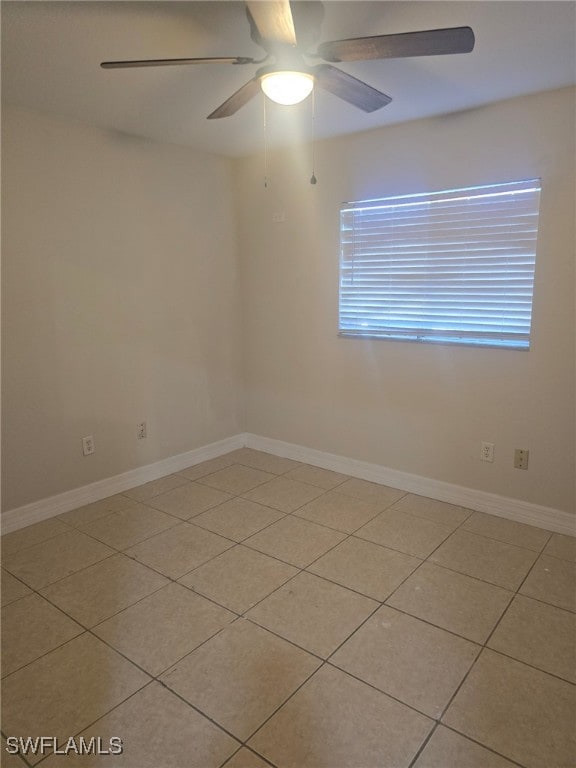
452 267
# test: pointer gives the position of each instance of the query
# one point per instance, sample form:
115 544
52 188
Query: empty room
288 384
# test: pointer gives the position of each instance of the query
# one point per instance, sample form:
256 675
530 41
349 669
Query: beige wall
422 409
123 301
120 303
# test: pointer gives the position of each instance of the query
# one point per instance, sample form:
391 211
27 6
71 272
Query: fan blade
176 62
349 88
432 42
237 100
273 20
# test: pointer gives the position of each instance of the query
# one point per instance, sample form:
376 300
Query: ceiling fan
288 31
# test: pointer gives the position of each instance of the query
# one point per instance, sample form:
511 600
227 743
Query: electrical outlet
487 451
521 456
141 430
88 445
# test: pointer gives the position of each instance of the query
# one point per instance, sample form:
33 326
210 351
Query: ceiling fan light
287 87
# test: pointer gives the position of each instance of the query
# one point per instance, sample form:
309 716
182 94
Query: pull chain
313 179
265 143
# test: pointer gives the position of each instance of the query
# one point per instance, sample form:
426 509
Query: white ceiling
51 53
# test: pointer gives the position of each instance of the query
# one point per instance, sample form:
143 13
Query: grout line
531 666
152 677
503 541
253 751
82 631
285 639
109 711
345 586
62 578
485 647
484 746
517 592
424 744
25 762
300 570
140 541
154 495
541 600
497 624
411 554
384 693
476 578
89 630
203 714
36 543
464 736
536 561
268 525
287 562
203 481
283 704
499 541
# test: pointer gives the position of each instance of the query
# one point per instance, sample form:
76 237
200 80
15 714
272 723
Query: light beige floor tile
97 509
450 600
553 581
520 712
431 509
294 540
447 749
163 627
538 634
345 513
495 561
239 578
244 758
158 730
63 692
334 721
56 558
368 568
156 487
10 760
313 613
238 518
406 533
103 589
236 479
189 500
267 462
241 676
382 495
285 495
561 546
207 467
520 534
124 529
32 534
419 664
323 478
30 628
12 589
180 549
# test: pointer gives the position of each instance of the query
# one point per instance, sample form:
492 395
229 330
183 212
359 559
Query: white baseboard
14 519
513 509
481 501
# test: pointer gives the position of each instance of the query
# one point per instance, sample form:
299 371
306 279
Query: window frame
521 197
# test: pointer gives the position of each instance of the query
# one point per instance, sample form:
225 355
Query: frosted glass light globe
287 87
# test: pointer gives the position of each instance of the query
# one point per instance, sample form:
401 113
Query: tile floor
253 611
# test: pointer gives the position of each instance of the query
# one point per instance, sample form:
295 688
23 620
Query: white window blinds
452 267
